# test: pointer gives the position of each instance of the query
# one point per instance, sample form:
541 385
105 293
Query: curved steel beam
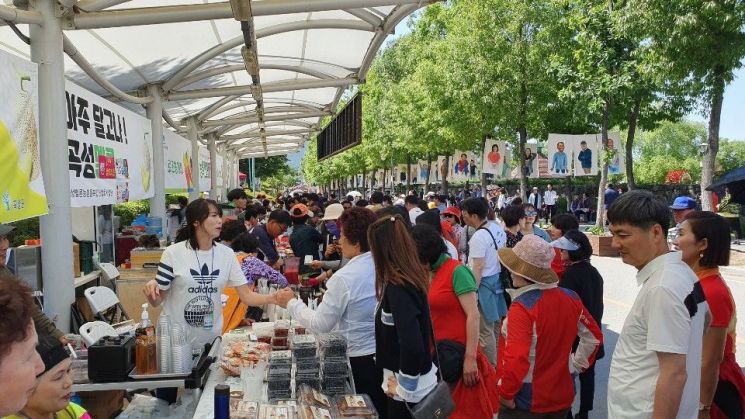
229 106
267 118
209 11
366 16
84 65
11 14
261 33
399 14
209 110
271 110
96 5
201 75
279 86
267 133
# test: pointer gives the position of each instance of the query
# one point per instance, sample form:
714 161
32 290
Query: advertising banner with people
108 150
617 162
179 178
465 166
497 159
423 172
21 183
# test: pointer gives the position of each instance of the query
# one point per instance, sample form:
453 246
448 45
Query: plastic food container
355 405
280 343
307 366
281 328
312 397
315 412
280 357
335 367
304 346
333 345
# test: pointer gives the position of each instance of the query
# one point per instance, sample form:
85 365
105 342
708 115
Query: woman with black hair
581 277
193 272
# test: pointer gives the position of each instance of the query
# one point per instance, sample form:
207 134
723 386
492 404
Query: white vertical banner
22 192
109 150
616 164
205 182
179 178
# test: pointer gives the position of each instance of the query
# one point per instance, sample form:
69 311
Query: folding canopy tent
246 78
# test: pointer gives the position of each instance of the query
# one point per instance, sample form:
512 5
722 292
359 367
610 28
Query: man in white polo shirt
656 366
549 200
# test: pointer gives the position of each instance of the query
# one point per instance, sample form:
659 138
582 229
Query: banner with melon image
21 183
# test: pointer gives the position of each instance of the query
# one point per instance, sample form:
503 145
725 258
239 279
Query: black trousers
586 392
368 379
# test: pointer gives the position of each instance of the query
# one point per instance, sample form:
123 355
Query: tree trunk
633 119
483 175
429 172
445 175
710 154
408 173
385 177
364 181
523 133
600 219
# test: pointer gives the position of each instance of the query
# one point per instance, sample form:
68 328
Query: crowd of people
427 289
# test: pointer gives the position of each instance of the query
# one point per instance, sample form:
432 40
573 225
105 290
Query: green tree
705 39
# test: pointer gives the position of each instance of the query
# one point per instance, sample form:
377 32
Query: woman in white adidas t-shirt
193 272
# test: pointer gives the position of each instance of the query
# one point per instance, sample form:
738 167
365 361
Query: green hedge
24 230
128 211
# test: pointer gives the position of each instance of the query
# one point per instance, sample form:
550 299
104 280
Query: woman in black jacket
403 331
581 277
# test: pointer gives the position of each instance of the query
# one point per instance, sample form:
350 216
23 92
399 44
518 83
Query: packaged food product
264 336
334 385
280 371
280 357
281 328
314 412
333 345
280 343
269 411
335 367
312 397
355 405
298 330
312 381
304 346
242 409
307 366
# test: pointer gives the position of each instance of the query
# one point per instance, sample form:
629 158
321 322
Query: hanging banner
177 153
423 172
205 181
21 183
616 164
465 166
109 151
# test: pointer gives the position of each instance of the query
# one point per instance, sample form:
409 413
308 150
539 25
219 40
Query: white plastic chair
101 300
93 331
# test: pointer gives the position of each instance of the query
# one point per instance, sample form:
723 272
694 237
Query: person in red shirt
704 241
535 362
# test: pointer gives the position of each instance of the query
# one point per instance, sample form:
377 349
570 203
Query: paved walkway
619 293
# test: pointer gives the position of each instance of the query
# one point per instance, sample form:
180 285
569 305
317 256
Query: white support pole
155 114
212 147
191 124
224 179
56 227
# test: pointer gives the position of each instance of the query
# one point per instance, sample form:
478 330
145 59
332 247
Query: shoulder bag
439 402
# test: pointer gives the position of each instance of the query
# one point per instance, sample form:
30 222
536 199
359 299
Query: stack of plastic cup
179 347
164 343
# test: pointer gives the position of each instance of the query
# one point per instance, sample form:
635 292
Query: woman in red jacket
455 318
704 242
535 361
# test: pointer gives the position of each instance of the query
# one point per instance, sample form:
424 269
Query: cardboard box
145 258
129 290
76 259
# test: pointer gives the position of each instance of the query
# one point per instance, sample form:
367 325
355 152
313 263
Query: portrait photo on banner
497 158
559 148
423 172
465 165
530 167
586 155
442 168
616 163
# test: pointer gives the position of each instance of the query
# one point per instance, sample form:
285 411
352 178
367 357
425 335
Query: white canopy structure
248 78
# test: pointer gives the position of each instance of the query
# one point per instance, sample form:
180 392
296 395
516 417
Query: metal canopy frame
259 90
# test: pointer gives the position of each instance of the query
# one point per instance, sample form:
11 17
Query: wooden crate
601 245
75 260
129 290
145 258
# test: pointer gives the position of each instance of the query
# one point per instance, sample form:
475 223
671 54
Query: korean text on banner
21 182
205 182
109 151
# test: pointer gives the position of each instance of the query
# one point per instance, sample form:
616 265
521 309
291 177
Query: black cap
222 390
